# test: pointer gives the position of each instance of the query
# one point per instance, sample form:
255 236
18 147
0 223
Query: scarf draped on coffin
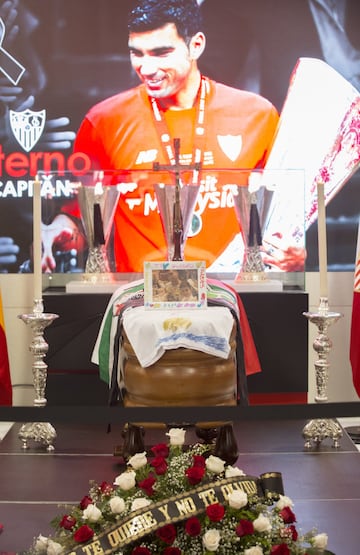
107 353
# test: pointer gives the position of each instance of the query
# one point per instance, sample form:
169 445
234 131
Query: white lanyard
167 140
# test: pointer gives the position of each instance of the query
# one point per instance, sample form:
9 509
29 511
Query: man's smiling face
162 60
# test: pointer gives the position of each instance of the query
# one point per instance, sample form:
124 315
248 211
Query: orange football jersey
120 133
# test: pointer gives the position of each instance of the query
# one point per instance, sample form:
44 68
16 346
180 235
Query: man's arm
62 235
8 252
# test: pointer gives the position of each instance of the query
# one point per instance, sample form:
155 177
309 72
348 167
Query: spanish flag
355 322
5 380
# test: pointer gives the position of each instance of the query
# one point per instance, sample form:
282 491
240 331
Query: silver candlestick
41 432
319 429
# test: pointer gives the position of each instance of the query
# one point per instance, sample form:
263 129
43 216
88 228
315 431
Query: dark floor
324 483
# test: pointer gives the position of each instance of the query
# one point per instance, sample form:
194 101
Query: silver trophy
97 203
251 207
176 205
176 202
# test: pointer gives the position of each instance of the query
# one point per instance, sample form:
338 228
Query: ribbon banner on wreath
177 508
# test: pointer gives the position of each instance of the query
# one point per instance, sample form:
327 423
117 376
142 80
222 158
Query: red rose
199 460
85 502
106 488
160 465
244 528
215 512
160 450
147 485
281 549
287 515
67 522
1 528
195 474
83 534
293 532
167 533
193 526
172 551
141 551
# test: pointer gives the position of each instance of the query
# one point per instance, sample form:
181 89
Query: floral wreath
178 500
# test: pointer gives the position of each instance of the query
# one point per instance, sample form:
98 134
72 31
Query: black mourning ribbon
99 238
255 237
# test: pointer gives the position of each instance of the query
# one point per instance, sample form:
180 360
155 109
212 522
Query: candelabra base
40 432
315 431
38 320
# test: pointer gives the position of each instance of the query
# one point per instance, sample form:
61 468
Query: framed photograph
175 285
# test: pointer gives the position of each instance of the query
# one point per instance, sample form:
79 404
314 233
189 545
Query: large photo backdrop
60 57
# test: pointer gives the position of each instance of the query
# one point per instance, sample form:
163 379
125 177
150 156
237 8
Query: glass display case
98 228
237 221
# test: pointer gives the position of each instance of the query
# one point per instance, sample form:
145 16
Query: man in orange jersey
218 127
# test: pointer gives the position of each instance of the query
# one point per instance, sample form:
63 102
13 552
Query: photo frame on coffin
175 285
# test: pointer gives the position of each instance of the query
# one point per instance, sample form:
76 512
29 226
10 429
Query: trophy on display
176 205
251 205
97 203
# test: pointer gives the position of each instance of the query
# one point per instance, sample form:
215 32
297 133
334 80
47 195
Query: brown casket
181 377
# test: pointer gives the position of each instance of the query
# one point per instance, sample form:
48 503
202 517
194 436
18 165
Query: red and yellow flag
355 323
5 379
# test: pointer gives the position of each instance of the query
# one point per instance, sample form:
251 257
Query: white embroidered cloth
151 333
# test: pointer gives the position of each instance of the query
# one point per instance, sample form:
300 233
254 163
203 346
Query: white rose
126 480
54 548
283 502
231 471
92 513
140 503
214 464
137 461
320 541
211 539
257 550
41 543
117 504
262 524
238 499
177 436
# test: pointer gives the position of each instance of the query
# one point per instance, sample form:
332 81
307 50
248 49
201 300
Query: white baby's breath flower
320 541
215 464
176 436
41 543
262 524
54 548
256 550
238 499
92 513
231 471
117 504
138 461
283 502
211 539
126 480
140 503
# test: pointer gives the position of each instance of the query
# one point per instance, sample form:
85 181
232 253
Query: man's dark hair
148 15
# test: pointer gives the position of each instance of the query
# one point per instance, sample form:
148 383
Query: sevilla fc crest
27 127
230 145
